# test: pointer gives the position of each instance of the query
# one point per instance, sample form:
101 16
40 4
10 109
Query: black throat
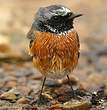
57 26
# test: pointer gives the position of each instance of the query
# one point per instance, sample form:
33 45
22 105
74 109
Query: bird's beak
75 16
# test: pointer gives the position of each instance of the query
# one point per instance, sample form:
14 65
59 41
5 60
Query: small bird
54 43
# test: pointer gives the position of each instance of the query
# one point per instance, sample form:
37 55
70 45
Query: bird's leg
40 95
70 83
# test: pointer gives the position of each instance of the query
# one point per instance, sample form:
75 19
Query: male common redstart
54 43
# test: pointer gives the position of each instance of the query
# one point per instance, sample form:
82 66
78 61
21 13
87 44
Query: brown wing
78 44
31 34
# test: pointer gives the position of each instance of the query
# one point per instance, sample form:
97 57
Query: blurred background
16 17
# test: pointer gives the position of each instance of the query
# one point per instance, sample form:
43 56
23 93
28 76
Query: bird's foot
73 94
39 101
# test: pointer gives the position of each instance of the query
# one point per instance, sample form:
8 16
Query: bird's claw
39 101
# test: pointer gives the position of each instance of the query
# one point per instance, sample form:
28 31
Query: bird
54 43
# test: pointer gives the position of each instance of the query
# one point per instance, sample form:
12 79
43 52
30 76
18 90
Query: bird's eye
55 17
69 14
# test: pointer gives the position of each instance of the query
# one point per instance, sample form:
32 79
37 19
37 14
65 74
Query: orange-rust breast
56 55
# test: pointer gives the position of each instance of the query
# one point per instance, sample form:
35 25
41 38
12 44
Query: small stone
83 86
72 78
34 107
25 90
1 72
63 98
39 77
52 83
1 85
93 109
8 67
22 80
21 73
11 94
11 78
56 107
96 79
59 91
11 84
76 105
23 100
48 96
93 82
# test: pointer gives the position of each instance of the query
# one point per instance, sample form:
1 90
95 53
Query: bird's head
56 19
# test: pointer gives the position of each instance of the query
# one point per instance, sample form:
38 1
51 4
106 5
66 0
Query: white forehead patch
66 9
62 11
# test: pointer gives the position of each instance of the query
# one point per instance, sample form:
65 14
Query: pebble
11 84
63 98
59 91
52 83
37 77
11 78
23 100
48 96
56 107
73 78
11 94
21 73
1 83
76 105
24 89
84 86
22 80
